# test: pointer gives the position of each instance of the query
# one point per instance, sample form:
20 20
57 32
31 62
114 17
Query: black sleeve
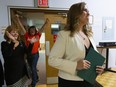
24 46
6 48
1 74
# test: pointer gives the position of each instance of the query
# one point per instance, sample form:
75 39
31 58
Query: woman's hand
16 44
99 69
33 40
83 64
47 21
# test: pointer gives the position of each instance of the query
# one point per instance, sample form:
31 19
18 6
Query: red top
36 45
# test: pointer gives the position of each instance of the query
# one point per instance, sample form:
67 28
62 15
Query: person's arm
16 42
6 49
44 25
20 24
56 57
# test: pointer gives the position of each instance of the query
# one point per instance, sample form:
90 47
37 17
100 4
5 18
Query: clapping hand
47 20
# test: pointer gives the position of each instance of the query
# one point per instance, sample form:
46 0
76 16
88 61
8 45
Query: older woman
13 51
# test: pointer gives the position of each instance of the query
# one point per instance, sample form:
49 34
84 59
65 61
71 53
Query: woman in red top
33 43
32 37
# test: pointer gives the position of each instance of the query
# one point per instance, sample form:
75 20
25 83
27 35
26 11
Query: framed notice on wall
108 28
41 3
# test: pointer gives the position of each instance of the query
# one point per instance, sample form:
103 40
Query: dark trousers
32 60
68 83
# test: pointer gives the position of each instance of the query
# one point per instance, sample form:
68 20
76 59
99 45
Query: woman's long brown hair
73 16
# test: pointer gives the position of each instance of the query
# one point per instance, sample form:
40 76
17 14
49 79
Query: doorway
37 16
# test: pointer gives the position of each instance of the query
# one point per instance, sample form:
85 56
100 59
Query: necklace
81 36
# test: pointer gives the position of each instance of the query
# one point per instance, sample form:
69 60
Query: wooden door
51 72
54 16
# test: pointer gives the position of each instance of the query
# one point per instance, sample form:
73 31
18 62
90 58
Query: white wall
62 3
98 8
3 8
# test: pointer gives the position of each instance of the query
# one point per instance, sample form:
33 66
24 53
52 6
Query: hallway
41 67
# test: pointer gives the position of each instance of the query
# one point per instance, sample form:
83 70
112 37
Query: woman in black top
13 51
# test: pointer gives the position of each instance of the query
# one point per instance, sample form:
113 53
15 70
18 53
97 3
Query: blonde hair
9 29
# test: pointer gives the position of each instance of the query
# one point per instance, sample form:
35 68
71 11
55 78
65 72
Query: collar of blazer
93 43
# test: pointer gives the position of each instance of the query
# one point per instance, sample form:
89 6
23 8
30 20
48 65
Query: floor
107 79
54 85
41 67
